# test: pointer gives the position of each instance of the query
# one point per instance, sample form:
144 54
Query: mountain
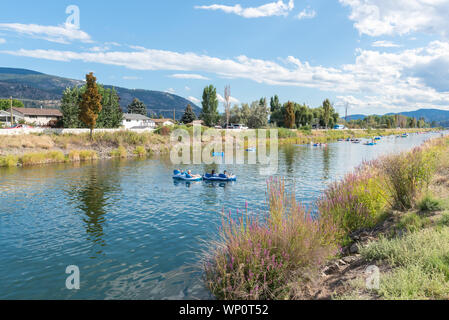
32 85
441 117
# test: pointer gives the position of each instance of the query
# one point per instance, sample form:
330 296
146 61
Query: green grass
430 204
413 222
421 264
140 151
42 158
9 161
120 152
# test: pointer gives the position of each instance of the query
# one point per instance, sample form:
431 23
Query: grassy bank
282 255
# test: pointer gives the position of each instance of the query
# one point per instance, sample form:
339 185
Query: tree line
258 114
389 122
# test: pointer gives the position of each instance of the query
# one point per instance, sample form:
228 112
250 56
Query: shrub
430 204
140 151
120 152
286 133
407 175
42 158
267 259
413 222
358 201
86 155
9 161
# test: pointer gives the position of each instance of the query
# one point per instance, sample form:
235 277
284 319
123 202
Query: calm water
133 232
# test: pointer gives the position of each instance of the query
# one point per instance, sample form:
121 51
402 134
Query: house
5 117
163 122
36 116
134 121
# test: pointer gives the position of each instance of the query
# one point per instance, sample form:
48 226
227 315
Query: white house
135 121
5 117
36 116
164 122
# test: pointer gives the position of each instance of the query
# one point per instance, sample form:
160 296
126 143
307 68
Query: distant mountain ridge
33 85
441 117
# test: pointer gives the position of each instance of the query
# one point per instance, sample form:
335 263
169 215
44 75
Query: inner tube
251 149
220 177
177 175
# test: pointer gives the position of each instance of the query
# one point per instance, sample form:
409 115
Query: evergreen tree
189 116
70 108
210 113
137 107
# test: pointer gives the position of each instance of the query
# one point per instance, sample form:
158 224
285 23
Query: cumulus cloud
278 8
231 99
64 34
188 76
306 14
399 17
385 44
2 41
194 100
407 79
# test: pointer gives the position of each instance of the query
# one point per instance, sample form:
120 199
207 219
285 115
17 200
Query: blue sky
375 56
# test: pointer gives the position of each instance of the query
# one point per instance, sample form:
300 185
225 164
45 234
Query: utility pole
10 109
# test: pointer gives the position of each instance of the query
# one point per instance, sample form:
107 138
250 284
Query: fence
65 131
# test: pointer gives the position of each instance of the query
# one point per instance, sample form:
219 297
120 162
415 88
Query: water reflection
91 195
326 163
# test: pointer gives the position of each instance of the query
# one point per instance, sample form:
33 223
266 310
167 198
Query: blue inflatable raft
177 175
219 177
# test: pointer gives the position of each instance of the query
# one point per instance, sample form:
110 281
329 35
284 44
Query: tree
327 108
275 104
257 114
90 105
5 104
137 107
111 115
210 106
70 108
289 119
189 116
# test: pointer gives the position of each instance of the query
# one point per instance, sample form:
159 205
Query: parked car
20 126
240 127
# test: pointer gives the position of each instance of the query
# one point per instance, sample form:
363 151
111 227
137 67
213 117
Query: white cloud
2 41
278 8
188 76
187 88
231 99
131 78
61 34
407 79
306 14
194 100
170 90
385 44
399 17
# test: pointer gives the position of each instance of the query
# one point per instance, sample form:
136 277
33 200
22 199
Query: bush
408 174
413 222
267 259
358 201
9 161
286 133
430 204
120 152
140 151
42 158
86 155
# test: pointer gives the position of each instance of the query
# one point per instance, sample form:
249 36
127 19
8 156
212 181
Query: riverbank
391 213
29 149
